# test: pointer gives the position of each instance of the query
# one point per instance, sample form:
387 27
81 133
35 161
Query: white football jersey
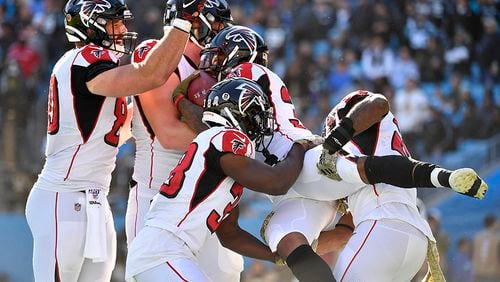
83 128
288 126
197 195
380 200
152 161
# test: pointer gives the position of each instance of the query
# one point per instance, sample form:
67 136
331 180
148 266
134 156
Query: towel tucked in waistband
95 240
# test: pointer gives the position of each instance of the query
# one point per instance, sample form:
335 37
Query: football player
390 239
201 195
161 137
234 48
67 209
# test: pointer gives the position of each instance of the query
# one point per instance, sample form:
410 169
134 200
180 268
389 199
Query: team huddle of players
193 163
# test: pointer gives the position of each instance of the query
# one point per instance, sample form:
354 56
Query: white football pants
217 262
382 251
58 224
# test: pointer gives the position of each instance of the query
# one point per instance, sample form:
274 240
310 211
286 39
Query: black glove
339 136
189 9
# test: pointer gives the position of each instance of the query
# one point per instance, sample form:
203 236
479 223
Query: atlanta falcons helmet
262 51
230 47
85 21
215 16
240 103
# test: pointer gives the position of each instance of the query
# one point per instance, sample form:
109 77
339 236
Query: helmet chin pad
213 119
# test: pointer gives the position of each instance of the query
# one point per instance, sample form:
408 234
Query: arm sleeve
97 68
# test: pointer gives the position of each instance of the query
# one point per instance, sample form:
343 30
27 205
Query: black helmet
262 51
231 47
85 21
240 103
214 11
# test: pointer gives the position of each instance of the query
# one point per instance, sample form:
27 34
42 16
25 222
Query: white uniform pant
158 255
312 184
309 206
218 263
382 251
306 216
58 224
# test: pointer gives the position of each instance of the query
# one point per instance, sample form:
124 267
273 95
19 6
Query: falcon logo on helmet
240 103
245 36
211 3
249 96
89 8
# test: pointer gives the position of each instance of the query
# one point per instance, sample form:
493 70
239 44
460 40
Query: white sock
434 177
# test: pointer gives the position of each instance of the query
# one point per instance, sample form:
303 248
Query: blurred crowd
470 259
436 60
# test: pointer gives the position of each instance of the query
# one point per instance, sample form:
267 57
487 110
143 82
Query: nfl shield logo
78 207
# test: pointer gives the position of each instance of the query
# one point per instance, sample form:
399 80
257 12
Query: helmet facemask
242 106
229 48
212 61
86 22
220 63
214 17
206 27
120 43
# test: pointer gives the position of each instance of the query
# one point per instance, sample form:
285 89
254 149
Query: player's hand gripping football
180 91
189 9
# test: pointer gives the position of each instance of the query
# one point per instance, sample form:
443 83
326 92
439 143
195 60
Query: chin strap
271 159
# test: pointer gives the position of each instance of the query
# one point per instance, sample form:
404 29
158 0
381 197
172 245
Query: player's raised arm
161 62
368 110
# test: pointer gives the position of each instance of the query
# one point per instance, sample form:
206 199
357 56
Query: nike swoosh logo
184 5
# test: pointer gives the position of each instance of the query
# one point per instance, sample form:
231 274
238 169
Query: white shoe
466 181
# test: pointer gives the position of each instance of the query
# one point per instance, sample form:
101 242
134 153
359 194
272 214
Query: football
198 88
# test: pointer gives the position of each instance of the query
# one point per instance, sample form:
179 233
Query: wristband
182 25
345 226
177 100
339 136
346 128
